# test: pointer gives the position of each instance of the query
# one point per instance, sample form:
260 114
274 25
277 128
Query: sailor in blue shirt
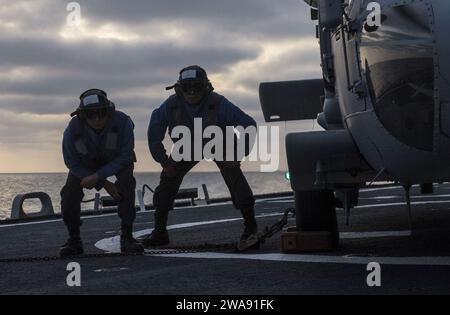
97 144
195 98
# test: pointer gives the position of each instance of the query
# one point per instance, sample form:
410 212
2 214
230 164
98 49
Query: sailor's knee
126 183
71 193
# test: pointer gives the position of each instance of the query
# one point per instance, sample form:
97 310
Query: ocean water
14 184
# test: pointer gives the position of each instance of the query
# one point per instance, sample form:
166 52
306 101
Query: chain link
150 251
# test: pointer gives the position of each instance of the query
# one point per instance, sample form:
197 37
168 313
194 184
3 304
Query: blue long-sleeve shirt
161 119
124 158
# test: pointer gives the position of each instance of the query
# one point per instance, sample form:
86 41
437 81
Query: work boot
249 235
249 239
249 231
72 247
128 244
157 238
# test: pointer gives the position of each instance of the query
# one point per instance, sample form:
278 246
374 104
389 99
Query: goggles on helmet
193 88
99 113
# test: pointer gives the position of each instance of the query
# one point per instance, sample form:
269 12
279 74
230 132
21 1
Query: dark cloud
266 17
169 9
44 105
62 71
31 17
299 64
112 58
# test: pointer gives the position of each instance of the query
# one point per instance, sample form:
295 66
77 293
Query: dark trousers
165 193
72 195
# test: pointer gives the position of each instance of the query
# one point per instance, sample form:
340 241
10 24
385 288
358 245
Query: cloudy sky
133 49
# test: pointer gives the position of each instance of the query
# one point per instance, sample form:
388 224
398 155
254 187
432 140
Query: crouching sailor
97 144
194 99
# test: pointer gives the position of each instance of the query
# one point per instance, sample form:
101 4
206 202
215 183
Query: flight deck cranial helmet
192 80
94 103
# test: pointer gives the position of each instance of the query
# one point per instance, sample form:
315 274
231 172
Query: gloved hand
89 181
112 190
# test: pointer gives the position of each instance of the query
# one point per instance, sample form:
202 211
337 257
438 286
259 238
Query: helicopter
383 102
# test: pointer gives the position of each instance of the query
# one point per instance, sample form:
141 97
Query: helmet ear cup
178 89
209 87
111 108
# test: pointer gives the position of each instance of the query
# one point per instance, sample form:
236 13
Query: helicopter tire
316 211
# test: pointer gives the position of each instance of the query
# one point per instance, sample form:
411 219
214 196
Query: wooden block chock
293 241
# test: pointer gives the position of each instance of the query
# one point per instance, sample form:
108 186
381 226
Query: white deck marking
421 261
383 188
403 204
115 269
60 220
380 197
29 223
281 201
376 234
378 205
401 196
